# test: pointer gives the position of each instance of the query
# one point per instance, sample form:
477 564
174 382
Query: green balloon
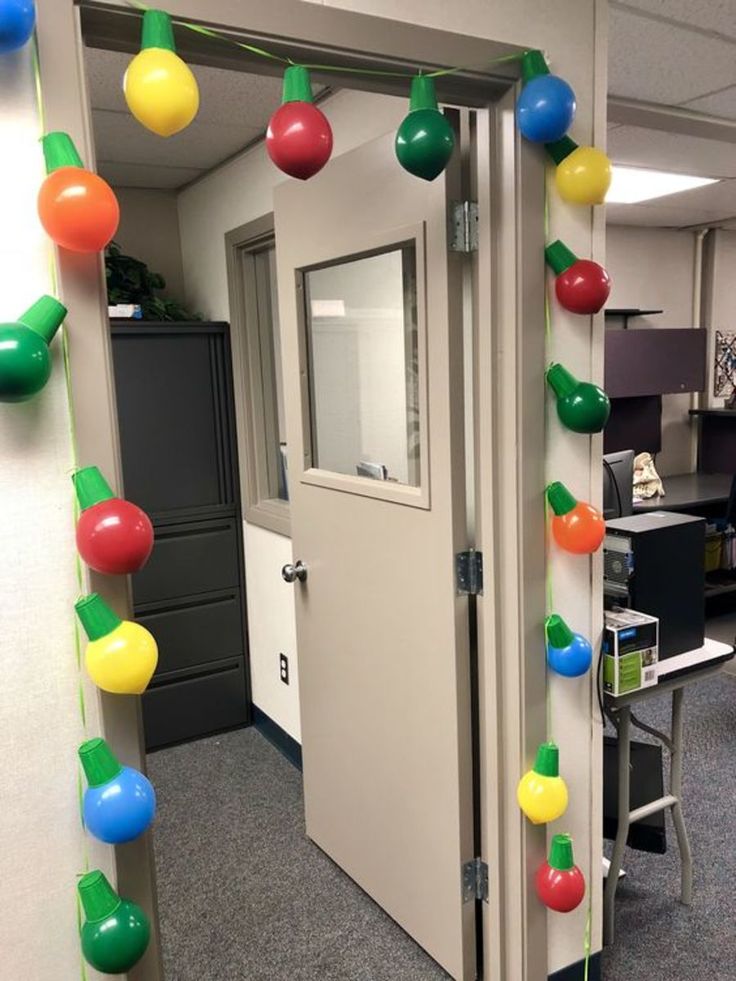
425 140
25 362
581 406
116 932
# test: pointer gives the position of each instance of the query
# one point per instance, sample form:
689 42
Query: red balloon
583 287
114 537
299 139
560 889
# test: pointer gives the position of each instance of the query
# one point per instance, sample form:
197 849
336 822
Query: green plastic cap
99 899
91 487
297 86
560 499
157 31
559 257
560 148
99 762
561 381
558 633
45 317
59 151
96 616
533 63
547 763
423 94
560 853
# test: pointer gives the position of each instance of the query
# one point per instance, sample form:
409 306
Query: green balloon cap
561 148
559 257
96 616
59 151
557 631
561 381
533 63
157 31
423 94
99 762
297 86
547 763
45 317
99 899
91 487
560 499
560 853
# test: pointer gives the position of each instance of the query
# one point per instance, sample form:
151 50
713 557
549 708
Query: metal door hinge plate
475 881
464 226
469 572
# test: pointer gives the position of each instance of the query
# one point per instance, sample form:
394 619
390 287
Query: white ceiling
672 52
675 53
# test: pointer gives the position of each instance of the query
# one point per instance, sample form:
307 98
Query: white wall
44 846
149 231
652 268
231 196
720 311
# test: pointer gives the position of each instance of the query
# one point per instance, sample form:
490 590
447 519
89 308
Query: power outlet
284 668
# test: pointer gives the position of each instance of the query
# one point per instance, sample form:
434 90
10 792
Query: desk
673 675
691 493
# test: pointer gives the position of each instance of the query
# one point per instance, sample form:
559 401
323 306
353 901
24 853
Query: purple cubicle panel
654 361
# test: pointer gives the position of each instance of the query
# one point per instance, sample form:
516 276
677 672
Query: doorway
423 498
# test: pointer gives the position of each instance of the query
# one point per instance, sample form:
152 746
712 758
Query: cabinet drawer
195 706
197 633
197 557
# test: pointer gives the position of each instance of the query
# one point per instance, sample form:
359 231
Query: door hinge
475 881
464 226
469 572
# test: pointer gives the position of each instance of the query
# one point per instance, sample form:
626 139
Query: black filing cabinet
177 434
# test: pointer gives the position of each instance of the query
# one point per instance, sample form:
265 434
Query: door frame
511 234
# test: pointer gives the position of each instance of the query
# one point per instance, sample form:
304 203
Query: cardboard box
630 651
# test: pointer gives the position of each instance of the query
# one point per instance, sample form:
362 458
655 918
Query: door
177 444
371 312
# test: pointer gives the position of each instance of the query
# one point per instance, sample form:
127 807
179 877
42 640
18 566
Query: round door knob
290 573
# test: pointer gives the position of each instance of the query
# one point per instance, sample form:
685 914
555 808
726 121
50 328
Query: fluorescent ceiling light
633 184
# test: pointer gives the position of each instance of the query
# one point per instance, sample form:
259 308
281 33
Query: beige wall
44 845
720 305
653 268
149 231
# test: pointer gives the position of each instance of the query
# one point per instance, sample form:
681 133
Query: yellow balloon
123 661
542 793
161 91
584 176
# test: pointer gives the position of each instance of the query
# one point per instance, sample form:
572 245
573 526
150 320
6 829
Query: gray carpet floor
243 894
656 937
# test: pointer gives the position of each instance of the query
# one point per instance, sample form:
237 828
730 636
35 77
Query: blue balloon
17 18
573 660
545 109
121 809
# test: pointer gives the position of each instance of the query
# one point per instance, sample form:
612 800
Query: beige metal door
371 315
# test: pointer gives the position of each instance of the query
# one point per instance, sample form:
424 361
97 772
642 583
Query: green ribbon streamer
263 53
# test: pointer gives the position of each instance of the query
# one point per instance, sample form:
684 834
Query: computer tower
655 563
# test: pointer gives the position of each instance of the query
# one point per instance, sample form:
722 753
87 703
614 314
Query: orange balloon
78 209
580 530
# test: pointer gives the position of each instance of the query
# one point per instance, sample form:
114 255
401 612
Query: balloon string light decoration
25 361
121 655
113 536
299 136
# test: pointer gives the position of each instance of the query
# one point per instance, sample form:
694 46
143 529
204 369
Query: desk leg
624 759
686 858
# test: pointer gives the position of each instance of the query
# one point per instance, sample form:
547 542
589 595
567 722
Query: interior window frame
255 375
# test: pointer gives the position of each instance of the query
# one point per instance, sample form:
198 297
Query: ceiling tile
121 138
641 147
137 175
653 62
718 16
719 104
